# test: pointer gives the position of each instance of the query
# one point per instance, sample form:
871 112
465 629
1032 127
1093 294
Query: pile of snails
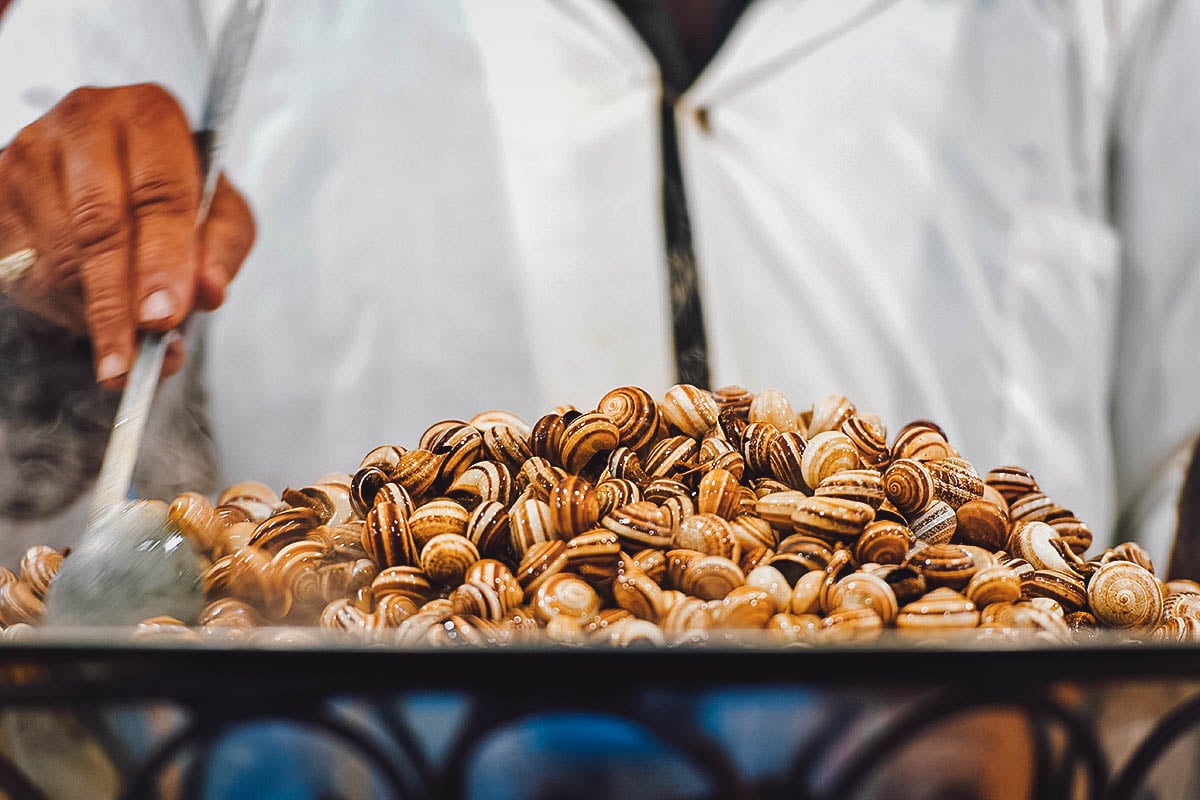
655 521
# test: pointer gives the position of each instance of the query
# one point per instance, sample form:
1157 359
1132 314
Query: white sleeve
1156 183
48 48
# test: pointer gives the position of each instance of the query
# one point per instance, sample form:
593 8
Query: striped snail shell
612 493
883 542
734 398
659 490
909 486
995 584
489 420
635 413
670 456
252 579
625 463
773 582
688 614
830 413
330 500
192 515
417 471
690 409
1064 588
295 569
712 446
870 438
565 595
461 445
538 476
545 437
164 627
447 556
650 561
39 565
507 445
1132 552
756 446
231 538
861 485
773 407
732 426
746 608
488 528
390 611
229 612
284 527
826 454
483 480
364 486
384 457
436 517
678 560
637 593
1034 506
529 523
574 507
1073 531
709 534
732 462
711 577
922 440
945 564
1034 542
257 499
935 525
640 524
785 454
481 599
1123 594
850 624
865 589
777 508
633 633
392 492
228 515
586 437
751 532
840 565
1181 604
346 578
435 434
756 557
982 523
786 628
806 593
955 481
942 608
19 603
497 574
540 562
719 493
405 581
907 584
832 518
342 616
1011 482
593 555
387 539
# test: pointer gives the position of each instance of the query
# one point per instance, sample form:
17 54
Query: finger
175 355
226 240
163 177
97 226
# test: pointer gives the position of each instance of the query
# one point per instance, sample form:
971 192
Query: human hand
105 188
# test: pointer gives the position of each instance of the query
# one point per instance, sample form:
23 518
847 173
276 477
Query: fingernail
172 336
111 366
156 307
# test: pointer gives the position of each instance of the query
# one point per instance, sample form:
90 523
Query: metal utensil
130 563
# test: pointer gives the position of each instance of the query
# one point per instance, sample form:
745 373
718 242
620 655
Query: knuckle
106 313
155 108
168 195
98 224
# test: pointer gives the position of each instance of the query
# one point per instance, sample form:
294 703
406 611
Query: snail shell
637 593
690 409
1132 552
633 633
678 560
709 534
785 454
538 476
480 599
392 492
922 440
529 523
635 413
19 603
364 486
1181 604
758 556
865 589
659 490
640 524
732 425
447 556
941 608
488 528
851 623
832 518
387 539
687 614
483 481
773 407
586 437
347 578
1033 541
627 464
39 565
671 455
806 593
437 517
593 555
164 627
982 523
417 471
830 413
507 445
777 508
650 561
786 628
1073 531
733 398
1122 594
331 501
860 485
711 577
884 542
384 457
945 565
907 584
574 507
955 481
284 527
192 515
256 499
498 575
344 617
746 607
909 486
870 437
295 569
391 611
461 445
773 582
935 525
1063 588
545 437
751 532
827 454
719 493
565 595
1011 482
1030 507
995 584
756 447
612 493
489 420
713 446
540 562
229 612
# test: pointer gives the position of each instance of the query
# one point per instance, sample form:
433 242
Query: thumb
226 239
